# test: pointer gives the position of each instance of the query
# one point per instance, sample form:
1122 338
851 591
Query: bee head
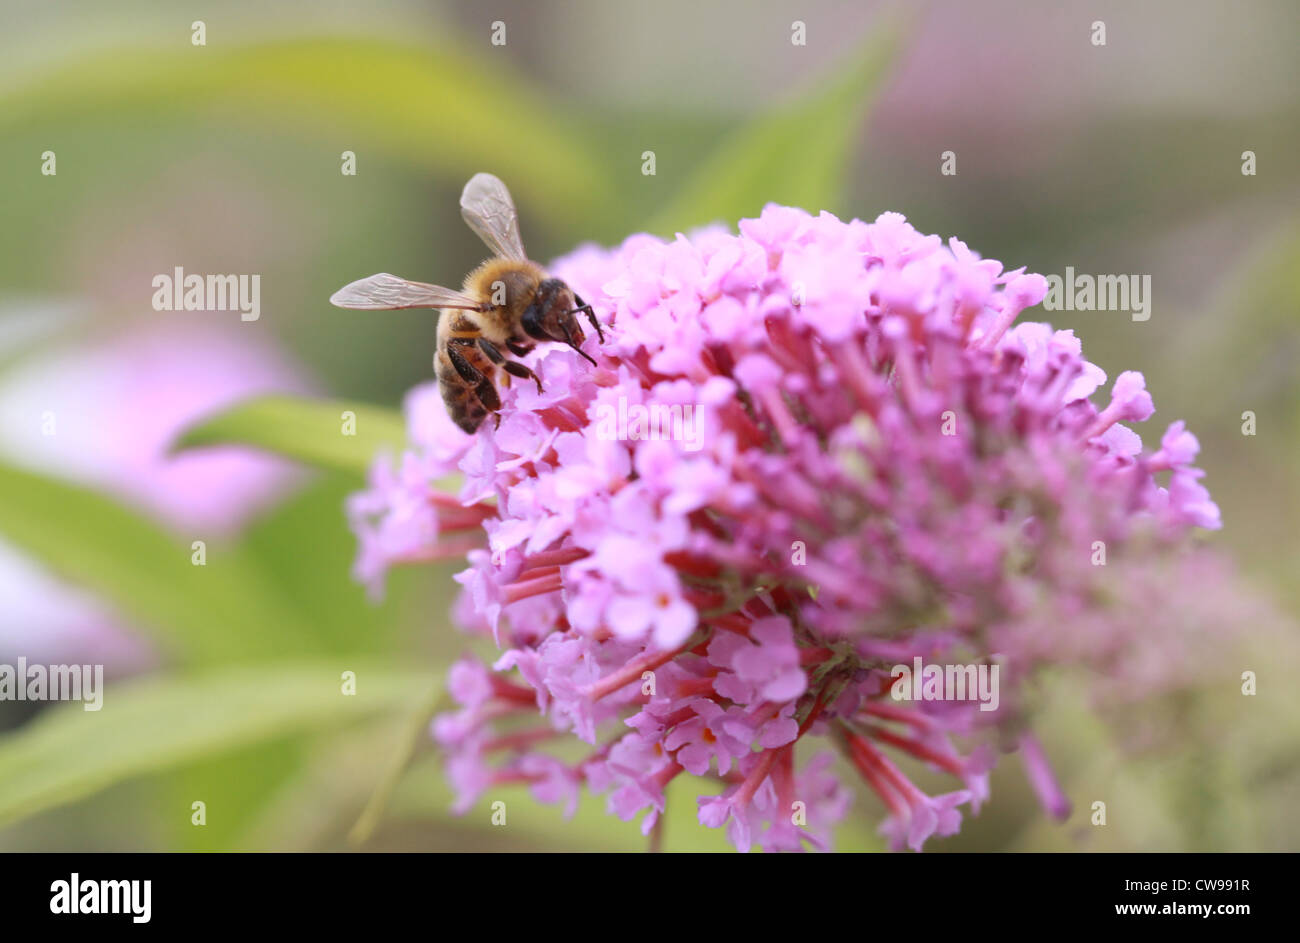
551 316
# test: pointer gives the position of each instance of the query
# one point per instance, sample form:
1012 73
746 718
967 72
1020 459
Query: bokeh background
224 679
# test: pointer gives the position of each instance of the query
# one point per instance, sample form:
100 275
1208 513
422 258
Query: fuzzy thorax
507 285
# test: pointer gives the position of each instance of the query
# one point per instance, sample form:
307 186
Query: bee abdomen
465 380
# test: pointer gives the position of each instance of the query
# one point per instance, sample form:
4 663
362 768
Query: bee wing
486 205
388 292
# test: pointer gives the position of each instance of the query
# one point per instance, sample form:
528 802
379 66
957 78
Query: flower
48 622
104 412
854 457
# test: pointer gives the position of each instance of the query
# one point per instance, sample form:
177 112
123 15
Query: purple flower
1178 448
880 466
47 622
766 660
706 736
104 413
117 405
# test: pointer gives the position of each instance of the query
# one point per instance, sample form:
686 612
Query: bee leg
519 349
493 354
509 366
591 316
483 388
519 370
491 350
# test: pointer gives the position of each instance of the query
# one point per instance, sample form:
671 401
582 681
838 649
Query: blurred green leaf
313 809
435 105
415 735
1244 345
797 155
236 785
157 724
309 430
1250 320
224 610
305 548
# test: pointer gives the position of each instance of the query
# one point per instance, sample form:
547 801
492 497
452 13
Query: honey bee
508 301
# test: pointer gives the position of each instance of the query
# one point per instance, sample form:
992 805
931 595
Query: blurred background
226 157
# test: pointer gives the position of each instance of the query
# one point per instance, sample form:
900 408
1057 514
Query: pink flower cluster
884 467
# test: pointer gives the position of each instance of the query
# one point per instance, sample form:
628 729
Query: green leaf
306 549
1242 345
433 104
797 155
1250 320
224 610
154 725
313 809
311 431
236 786
415 734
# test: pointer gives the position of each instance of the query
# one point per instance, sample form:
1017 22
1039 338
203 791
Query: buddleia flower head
807 453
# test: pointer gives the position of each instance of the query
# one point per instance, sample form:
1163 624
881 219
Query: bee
507 302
